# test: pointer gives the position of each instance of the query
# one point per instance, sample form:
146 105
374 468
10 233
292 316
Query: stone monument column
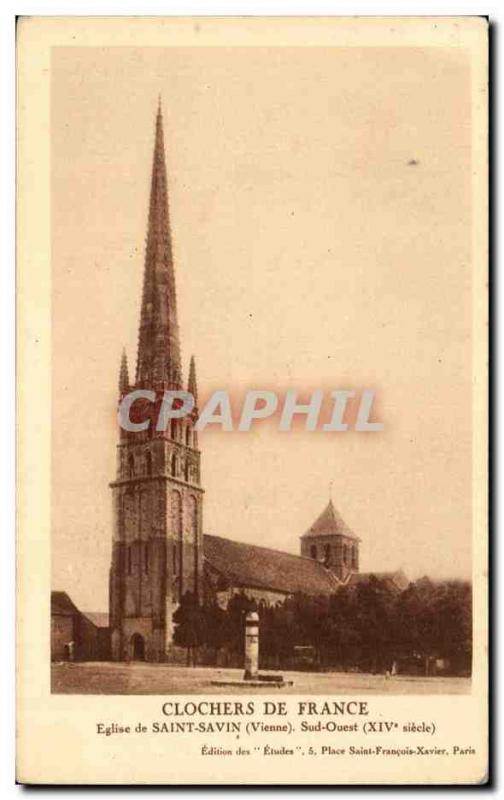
251 645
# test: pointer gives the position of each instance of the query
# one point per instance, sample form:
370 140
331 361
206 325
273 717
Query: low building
395 581
77 635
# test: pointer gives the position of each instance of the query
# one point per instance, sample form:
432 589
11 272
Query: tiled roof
98 618
61 604
397 579
251 566
330 522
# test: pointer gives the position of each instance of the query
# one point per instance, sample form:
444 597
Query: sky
320 203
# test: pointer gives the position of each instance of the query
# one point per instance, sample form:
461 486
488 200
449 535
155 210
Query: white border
7 217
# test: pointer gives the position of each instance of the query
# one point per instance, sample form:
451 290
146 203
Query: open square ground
139 678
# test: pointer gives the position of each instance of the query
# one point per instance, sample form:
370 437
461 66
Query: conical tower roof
330 523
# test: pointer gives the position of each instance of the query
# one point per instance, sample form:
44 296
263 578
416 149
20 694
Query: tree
367 625
434 620
189 626
452 628
238 607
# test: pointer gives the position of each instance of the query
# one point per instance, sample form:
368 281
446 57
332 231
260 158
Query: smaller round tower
330 541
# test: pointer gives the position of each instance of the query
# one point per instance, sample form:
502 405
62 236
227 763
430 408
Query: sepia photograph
309 239
259 303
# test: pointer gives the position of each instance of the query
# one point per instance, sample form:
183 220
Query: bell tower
157 550
332 542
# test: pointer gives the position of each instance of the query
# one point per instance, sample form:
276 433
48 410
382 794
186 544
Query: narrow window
174 464
173 429
188 436
131 465
129 560
313 551
327 553
146 558
148 463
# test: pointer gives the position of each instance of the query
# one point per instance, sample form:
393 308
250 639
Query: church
159 549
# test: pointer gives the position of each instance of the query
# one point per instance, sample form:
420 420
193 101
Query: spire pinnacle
123 374
192 386
158 360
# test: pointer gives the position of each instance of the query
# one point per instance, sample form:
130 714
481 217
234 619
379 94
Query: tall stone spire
157 539
158 360
192 385
123 374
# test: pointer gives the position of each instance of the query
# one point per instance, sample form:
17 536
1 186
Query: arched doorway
137 647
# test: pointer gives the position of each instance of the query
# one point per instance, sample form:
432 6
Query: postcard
252 400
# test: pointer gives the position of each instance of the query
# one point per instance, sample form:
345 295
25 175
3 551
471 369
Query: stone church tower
332 542
157 553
